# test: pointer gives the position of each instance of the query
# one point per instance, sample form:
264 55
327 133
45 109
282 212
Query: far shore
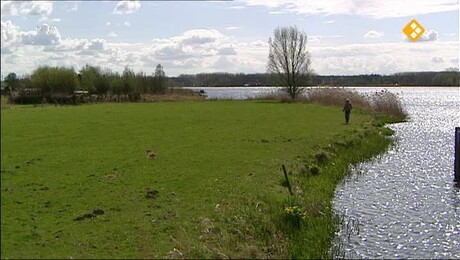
323 86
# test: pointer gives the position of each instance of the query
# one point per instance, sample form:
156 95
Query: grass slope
217 174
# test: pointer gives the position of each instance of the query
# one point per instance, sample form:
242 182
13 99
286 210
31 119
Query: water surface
404 204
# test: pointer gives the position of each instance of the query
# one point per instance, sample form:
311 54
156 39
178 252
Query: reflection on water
405 201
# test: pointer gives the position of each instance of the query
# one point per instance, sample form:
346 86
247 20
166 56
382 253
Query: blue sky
345 36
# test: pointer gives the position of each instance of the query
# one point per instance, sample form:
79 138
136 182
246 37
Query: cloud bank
375 9
210 50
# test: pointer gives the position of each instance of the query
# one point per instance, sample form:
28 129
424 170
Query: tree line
430 78
48 81
65 85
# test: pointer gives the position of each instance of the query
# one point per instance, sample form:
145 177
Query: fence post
287 179
457 155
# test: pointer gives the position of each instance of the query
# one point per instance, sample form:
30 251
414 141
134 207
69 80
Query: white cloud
226 51
232 28
171 52
9 31
437 59
259 44
26 8
329 22
194 49
44 35
10 36
237 7
45 19
67 45
429 36
268 3
112 34
376 9
223 64
383 58
126 7
23 52
200 36
315 39
127 24
276 12
97 45
108 23
373 35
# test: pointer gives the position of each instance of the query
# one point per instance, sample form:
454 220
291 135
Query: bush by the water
388 103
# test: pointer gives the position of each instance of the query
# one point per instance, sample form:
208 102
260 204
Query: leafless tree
289 59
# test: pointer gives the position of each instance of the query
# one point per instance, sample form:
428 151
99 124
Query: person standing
347 109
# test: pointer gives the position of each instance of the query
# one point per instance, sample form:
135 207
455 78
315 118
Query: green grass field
217 176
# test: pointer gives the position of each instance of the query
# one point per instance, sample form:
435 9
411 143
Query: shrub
52 80
387 103
336 97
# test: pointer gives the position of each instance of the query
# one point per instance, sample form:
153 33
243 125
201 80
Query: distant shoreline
326 86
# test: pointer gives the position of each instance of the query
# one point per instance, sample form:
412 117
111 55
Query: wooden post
457 155
287 179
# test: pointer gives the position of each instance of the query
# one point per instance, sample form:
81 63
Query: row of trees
433 78
101 82
450 77
218 79
51 82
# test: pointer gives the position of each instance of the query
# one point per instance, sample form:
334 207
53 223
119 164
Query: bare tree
160 79
289 59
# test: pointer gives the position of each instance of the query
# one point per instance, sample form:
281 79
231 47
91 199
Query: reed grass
5 102
382 103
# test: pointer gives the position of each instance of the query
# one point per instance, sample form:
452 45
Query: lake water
235 92
402 204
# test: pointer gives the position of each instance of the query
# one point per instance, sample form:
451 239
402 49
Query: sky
345 37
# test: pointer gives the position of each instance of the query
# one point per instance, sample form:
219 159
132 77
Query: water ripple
405 201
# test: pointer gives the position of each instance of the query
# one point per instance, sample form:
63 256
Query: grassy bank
77 181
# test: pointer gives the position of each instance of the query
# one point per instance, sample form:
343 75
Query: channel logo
413 30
